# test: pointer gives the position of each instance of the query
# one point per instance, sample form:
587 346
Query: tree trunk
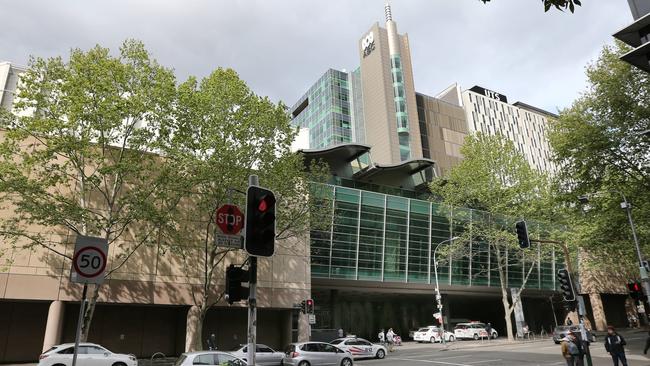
194 329
507 315
89 313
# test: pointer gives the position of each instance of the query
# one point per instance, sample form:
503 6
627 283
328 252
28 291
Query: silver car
264 355
214 358
315 354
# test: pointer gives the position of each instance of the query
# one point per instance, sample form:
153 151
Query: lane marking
429 361
477 362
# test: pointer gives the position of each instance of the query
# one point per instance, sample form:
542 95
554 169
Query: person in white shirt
382 337
390 338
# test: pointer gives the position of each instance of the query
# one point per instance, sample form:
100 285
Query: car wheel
452 338
380 354
346 362
494 336
303 363
432 340
475 336
58 364
119 364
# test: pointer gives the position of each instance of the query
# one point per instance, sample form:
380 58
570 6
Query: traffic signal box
567 289
260 222
522 234
307 306
235 278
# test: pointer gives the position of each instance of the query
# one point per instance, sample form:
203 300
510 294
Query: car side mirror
106 354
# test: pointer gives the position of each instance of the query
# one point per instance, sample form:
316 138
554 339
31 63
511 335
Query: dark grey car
315 354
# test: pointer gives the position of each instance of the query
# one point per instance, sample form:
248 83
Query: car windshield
336 341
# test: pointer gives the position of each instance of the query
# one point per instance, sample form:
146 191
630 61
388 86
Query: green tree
76 157
558 4
495 179
221 133
602 152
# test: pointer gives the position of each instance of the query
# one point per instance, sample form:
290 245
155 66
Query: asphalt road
502 353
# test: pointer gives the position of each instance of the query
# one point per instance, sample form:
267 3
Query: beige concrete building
145 305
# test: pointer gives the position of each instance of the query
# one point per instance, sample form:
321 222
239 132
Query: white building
526 126
9 76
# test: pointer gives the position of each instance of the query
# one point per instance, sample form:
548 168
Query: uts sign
490 94
368 44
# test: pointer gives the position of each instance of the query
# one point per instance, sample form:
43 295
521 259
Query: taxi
473 330
432 334
360 348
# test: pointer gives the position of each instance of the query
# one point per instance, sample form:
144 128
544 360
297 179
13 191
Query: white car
215 358
89 354
264 355
360 348
432 334
473 330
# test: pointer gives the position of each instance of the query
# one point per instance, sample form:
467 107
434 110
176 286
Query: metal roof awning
335 154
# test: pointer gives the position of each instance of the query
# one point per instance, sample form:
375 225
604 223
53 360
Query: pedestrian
390 338
382 337
488 329
212 342
341 333
567 347
576 349
615 346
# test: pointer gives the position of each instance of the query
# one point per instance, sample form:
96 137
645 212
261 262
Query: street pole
252 299
82 308
438 297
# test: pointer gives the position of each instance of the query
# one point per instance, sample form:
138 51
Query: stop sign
229 219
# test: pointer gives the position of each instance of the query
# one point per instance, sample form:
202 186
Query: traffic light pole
252 297
567 261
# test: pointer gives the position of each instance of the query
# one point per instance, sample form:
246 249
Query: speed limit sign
89 260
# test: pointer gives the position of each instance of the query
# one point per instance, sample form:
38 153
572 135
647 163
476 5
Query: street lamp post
438 297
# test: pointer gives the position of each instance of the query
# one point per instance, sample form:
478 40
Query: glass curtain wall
379 237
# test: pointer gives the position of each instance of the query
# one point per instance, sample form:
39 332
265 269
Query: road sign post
88 266
230 221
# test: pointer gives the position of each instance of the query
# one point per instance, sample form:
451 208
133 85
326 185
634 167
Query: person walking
212 342
390 338
382 337
569 350
615 346
488 329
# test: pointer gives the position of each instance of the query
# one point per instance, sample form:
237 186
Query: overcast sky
280 47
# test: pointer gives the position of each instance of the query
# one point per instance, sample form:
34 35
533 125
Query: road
502 353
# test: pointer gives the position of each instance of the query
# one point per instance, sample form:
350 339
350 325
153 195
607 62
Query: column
193 329
54 325
598 311
304 329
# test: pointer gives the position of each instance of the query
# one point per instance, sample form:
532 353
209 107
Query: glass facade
380 237
326 110
401 114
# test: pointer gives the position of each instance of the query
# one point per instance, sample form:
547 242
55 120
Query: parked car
264 355
89 354
432 334
316 354
360 348
473 330
561 331
216 358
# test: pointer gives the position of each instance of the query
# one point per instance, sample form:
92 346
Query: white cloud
281 47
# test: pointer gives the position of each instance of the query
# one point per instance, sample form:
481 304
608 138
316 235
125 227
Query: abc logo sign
368 44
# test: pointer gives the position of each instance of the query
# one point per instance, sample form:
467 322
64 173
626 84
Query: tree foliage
76 157
220 134
603 155
558 4
496 181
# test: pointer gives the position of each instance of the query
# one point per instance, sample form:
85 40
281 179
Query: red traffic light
262 207
310 302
